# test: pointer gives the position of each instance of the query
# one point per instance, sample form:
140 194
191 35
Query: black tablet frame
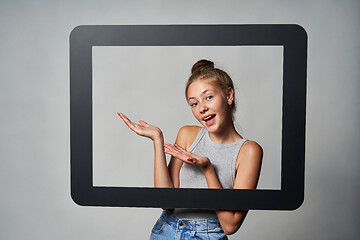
291 37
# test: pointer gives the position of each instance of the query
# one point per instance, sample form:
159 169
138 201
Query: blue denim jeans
169 227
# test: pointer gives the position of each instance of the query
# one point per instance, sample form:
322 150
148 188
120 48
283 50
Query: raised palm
143 128
186 156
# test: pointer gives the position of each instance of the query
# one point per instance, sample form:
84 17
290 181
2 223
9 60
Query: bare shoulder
252 148
186 135
248 165
250 151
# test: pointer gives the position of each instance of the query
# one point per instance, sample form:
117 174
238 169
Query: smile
209 119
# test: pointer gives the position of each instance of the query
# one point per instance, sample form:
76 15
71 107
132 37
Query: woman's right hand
143 129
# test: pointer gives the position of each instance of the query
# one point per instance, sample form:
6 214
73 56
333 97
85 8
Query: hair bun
201 65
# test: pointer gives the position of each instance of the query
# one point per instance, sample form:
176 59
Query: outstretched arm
248 171
161 174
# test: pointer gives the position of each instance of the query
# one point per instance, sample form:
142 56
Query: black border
292 37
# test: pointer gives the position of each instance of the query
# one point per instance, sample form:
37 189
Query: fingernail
190 159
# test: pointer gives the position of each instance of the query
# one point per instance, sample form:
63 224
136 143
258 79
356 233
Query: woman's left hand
187 157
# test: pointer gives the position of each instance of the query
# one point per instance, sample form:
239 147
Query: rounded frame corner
77 31
297 204
300 30
78 199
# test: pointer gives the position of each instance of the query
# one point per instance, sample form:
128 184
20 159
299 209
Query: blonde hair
205 70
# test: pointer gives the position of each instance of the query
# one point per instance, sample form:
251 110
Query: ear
230 96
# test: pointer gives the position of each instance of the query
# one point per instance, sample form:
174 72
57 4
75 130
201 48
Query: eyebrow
202 93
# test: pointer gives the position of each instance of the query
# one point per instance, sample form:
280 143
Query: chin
212 129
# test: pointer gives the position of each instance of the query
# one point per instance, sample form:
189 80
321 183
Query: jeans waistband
191 224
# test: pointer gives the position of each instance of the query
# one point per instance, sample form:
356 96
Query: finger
174 154
184 151
180 157
131 126
120 115
130 123
138 126
167 145
124 118
172 148
169 152
181 149
143 123
192 156
176 145
190 160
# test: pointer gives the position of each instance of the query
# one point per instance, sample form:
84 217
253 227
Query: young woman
211 156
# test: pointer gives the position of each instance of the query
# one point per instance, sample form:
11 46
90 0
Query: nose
203 107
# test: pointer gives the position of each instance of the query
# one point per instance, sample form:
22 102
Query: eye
209 97
193 104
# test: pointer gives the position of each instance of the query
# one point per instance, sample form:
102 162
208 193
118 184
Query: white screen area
148 83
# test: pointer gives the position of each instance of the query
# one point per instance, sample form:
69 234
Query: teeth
207 118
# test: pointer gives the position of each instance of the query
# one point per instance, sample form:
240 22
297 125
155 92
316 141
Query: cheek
193 112
219 107
196 114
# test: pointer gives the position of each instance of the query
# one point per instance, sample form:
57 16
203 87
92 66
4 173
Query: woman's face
208 105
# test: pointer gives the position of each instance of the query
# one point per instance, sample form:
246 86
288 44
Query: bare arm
247 175
161 173
184 139
248 170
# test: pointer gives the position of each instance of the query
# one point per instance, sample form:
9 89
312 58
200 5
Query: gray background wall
148 83
35 200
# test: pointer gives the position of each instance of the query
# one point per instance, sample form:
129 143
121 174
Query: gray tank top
223 158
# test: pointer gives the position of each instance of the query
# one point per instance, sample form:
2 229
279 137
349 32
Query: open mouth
208 118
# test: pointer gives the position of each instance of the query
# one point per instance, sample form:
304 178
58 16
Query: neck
226 134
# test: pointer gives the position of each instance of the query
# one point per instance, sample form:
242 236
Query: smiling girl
212 156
